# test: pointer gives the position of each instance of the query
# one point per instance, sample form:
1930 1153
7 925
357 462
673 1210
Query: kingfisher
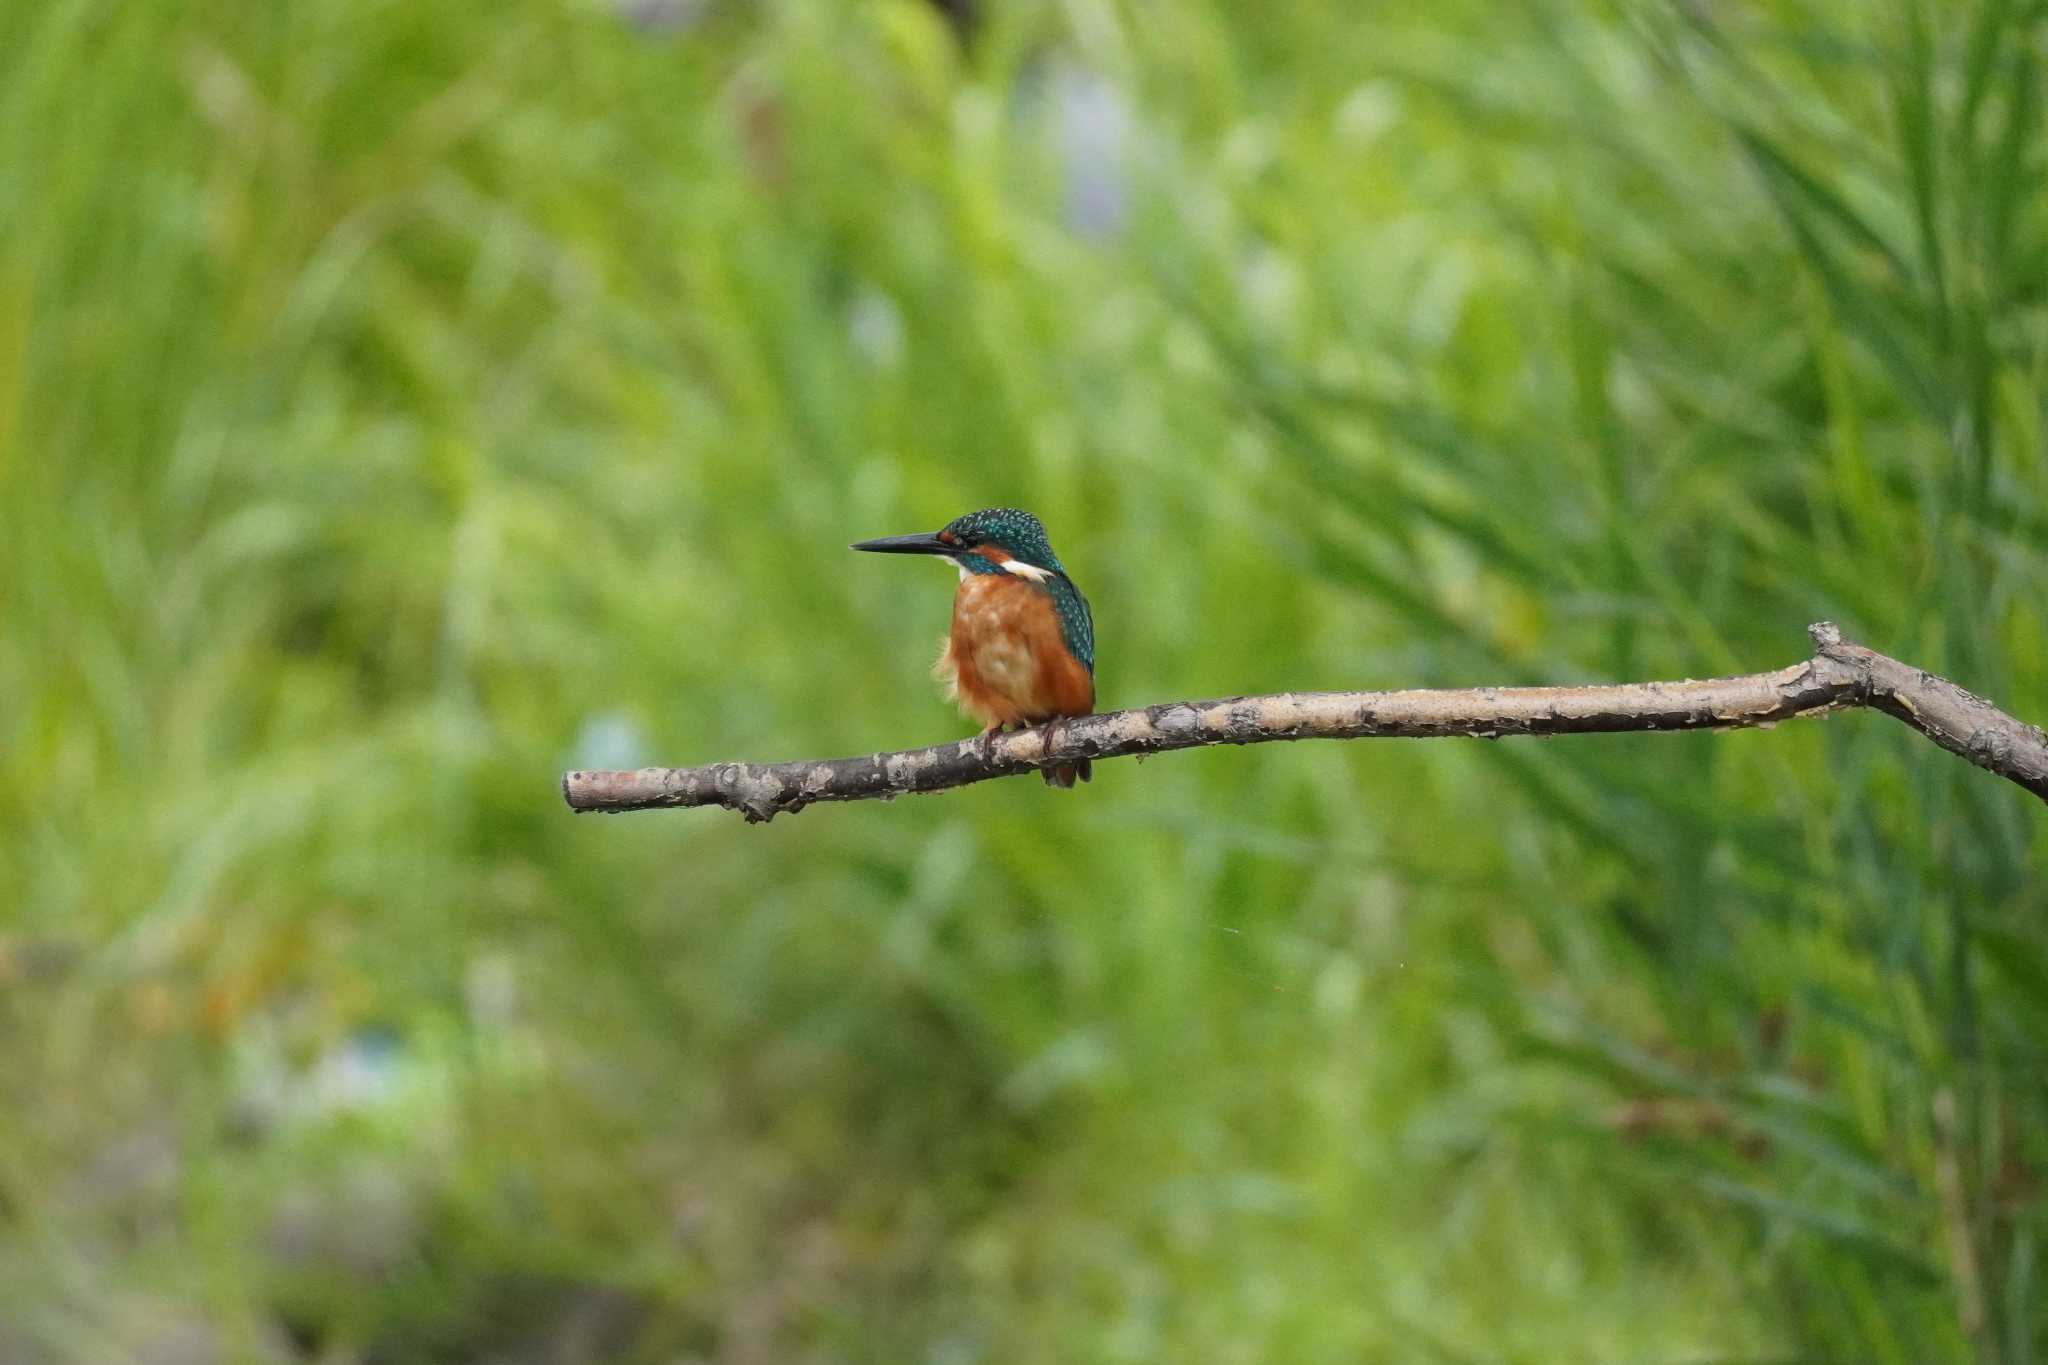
1022 647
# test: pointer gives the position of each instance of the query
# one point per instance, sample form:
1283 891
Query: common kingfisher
1022 647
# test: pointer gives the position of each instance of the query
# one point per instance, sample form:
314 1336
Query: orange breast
1004 660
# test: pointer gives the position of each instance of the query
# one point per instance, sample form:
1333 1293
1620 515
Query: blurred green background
402 403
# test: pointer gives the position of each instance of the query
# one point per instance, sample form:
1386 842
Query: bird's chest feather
999 624
1004 657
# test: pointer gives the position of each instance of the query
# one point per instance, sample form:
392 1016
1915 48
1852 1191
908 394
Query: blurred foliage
399 404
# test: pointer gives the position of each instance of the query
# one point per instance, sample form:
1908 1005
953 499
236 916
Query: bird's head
994 540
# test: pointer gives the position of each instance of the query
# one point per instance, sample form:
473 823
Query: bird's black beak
928 544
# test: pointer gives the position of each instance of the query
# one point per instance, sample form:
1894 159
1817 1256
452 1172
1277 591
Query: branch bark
1839 675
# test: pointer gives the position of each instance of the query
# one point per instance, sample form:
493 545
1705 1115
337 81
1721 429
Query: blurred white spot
1338 987
1069 1060
361 1072
491 989
607 740
1249 150
874 328
1439 302
660 16
1368 112
1094 138
1272 286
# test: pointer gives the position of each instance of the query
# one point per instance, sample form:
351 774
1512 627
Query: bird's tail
1065 774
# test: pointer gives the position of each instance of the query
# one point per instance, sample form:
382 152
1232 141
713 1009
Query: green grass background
402 403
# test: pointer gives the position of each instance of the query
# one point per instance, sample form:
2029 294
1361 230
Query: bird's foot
1060 774
988 741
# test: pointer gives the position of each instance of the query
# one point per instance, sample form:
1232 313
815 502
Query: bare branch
1840 674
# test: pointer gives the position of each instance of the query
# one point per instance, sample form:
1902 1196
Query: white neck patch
1015 567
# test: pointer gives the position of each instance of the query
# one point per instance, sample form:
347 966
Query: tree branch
1840 674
